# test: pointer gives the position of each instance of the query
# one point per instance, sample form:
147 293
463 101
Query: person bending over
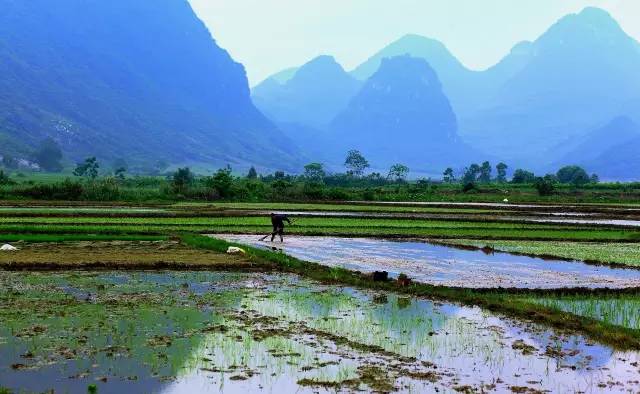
278 225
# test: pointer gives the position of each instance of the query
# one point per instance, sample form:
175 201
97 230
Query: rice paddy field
481 297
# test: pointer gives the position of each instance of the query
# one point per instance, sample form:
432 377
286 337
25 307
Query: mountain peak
595 14
433 51
590 22
318 67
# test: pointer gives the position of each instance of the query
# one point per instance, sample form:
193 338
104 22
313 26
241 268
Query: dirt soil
120 255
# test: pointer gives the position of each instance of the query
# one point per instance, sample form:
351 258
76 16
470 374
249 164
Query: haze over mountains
402 101
145 80
142 80
581 74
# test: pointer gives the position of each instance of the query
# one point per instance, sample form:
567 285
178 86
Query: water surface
202 332
448 266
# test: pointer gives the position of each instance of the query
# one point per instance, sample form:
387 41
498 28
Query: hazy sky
270 35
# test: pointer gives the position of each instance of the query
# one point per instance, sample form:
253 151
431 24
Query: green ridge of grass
494 300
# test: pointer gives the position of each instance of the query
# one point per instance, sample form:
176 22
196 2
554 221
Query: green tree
485 173
89 168
222 182
119 173
521 176
49 156
398 172
448 176
574 175
471 174
544 186
501 168
356 163
314 172
5 179
594 178
181 180
252 174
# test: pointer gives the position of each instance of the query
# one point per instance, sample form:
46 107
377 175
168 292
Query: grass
431 228
329 207
591 243
620 310
603 253
497 301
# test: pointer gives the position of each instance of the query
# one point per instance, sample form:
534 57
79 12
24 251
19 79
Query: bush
469 186
544 186
66 190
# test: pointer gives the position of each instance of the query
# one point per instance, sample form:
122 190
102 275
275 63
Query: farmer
278 225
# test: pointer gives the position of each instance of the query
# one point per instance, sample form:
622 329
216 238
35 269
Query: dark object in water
404 280
488 250
380 276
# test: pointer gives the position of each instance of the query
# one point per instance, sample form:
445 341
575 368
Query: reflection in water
238 333
443 265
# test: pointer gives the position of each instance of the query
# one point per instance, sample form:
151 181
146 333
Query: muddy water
442 265
241 333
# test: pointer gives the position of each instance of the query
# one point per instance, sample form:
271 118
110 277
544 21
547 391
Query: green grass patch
621 310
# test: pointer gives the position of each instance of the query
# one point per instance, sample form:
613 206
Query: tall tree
356 163
253 174
471 174
398 172
501 168
314 172
89 168
448 176
182 180
485 172
49 156
222 181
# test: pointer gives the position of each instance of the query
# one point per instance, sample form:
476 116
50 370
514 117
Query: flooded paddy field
447 266
234 332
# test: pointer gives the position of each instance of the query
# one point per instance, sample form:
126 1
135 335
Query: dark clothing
278 221
278 226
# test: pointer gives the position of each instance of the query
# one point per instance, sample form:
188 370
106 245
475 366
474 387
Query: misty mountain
581 72
143 80
620 162
589 147
401 115
466 89
312 97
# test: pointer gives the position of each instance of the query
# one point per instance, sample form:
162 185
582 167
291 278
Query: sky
268 36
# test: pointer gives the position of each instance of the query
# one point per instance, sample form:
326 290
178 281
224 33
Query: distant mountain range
579 75
144 80
313 95
401 115
141 80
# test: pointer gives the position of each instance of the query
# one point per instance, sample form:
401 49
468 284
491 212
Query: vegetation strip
496 300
